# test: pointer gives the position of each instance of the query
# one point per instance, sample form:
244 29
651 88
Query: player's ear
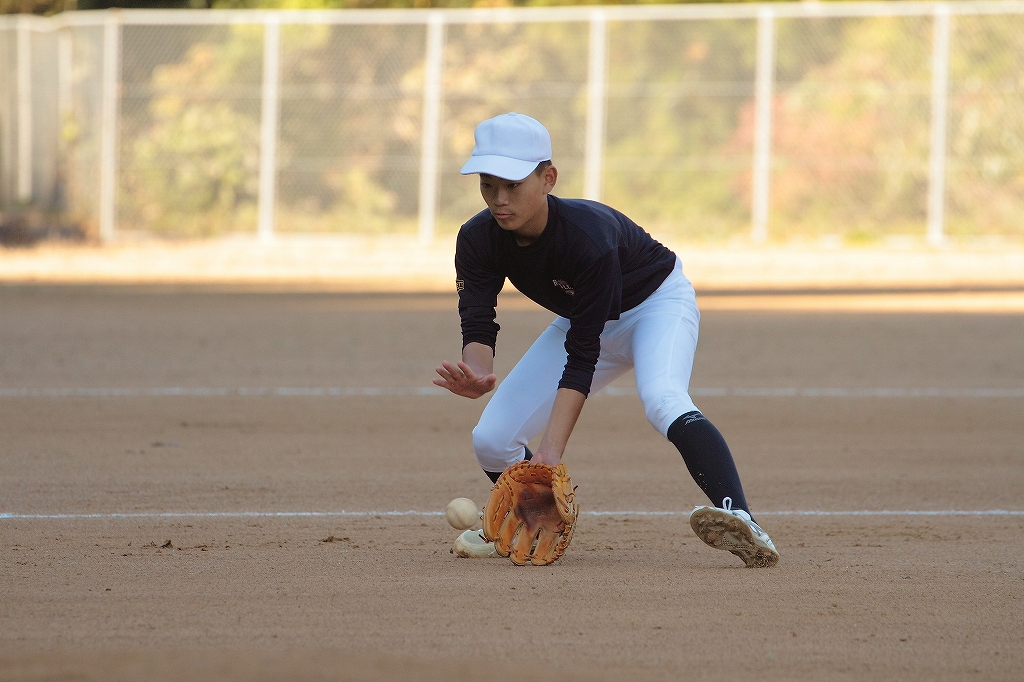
550 177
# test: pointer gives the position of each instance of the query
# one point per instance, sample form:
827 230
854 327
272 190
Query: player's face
519 205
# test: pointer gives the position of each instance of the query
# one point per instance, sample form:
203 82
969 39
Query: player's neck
533 228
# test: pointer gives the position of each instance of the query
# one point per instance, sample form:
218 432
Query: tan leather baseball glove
531 513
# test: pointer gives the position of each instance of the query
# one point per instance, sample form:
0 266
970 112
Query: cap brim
500 167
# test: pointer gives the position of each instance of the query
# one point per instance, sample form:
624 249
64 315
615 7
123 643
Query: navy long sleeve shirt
589 265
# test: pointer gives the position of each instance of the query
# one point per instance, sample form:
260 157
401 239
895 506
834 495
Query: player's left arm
598 293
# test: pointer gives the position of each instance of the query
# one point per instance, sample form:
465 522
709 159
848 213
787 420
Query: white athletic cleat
733 530
472 545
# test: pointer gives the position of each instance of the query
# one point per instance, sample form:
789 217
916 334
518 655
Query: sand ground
84 431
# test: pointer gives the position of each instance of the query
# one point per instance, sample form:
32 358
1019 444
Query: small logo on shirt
564 286
460 285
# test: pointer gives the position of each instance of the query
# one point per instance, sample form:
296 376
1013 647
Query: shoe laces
727 506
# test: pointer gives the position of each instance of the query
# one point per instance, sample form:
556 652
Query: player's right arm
474 376
478 283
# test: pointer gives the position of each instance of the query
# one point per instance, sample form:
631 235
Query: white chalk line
316 392
175 391
12 516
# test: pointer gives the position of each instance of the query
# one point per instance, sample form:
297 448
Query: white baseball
462 513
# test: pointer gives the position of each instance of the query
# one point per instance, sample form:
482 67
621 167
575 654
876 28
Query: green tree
675 97
985 183
850 127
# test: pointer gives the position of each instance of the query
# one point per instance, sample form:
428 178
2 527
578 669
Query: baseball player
622 303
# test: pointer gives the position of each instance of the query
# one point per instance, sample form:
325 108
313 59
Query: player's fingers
455 371
451 372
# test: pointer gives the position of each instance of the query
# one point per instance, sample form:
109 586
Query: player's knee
663 409
492 449
655 415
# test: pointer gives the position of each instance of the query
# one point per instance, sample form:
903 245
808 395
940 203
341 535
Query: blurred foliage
192 166
55 6
37 6
850 121
350 120
675 95
422 4
850 141
48 7
347 155
985 182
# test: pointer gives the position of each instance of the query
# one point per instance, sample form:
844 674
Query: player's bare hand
545 456
460 379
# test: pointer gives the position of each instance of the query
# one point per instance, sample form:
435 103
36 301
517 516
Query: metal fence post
597 82
65 65
24 86
763 94
430 141
109 112
271 104
940 100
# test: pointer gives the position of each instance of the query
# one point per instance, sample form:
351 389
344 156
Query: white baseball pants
657 339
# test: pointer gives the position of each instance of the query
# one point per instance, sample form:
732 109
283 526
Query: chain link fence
824 122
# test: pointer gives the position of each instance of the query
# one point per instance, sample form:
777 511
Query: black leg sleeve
493 475
708 459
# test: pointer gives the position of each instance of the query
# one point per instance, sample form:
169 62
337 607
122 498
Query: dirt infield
196 485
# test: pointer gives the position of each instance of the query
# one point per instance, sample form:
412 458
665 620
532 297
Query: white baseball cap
509 146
